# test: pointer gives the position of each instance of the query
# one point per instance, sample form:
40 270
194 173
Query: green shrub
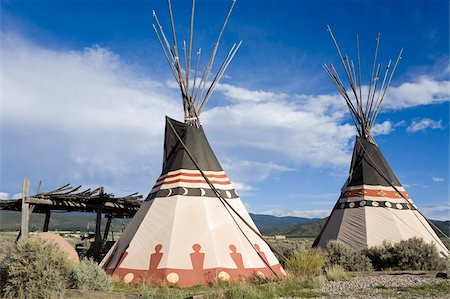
337 253
248 290
36 269
336 273
88 276
306 262
412 254
314 282
415 254
382 257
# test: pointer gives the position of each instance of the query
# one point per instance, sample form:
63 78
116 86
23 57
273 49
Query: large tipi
373 206
193 228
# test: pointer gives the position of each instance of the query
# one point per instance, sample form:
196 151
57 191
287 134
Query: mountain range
289 226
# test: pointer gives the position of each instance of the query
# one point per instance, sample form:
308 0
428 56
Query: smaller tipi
373 206
193 228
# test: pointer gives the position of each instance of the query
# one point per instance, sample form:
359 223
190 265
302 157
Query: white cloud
251 171
241 187
384 128
438 180
242 94
297 213
17 195
414 185
86 114
244 190
290 130
436 212
423 91
423 124
4 195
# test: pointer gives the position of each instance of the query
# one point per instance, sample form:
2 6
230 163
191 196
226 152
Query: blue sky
85 89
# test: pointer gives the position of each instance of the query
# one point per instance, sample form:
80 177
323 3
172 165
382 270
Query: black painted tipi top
369 167
176 156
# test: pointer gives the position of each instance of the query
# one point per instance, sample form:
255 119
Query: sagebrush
36 269
411 254
336 273
88 276
337 253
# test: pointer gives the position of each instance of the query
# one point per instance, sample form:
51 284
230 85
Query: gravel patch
376 286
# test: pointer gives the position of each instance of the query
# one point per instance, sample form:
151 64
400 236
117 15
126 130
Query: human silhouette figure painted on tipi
261 254
155 258
197 258
237 257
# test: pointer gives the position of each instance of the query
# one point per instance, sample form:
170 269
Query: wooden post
47 220
108 226
98 223
25 210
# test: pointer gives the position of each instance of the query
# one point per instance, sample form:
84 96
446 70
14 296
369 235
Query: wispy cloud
243 94
86 114
438 179
243 187
423 124
436 212
4 195
423 91
281 212
252 171
384 128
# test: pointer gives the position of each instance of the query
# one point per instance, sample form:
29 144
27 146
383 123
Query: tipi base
192 277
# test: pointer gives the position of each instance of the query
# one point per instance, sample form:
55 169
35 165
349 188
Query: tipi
193 228
373 206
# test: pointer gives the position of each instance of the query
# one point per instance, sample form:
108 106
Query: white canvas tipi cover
186 234
374 207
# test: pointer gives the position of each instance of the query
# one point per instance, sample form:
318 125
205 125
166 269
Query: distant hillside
267 223
443 226
10 221
313 228
309 229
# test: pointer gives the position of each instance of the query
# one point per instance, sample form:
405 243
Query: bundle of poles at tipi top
197 89
364 111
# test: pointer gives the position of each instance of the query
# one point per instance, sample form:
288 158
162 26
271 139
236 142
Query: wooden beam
85 205
47 220
24 227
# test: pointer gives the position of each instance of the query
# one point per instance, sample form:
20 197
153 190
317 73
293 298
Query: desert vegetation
37 269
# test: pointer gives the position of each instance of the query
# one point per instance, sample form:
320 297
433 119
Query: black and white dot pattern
375 203
197 192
